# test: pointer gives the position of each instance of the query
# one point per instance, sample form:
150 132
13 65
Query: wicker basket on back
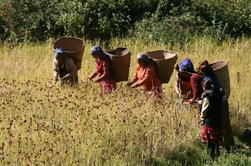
120 63
166 61
72 47
221 70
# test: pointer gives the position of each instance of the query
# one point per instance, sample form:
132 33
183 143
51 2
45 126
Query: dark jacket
211 109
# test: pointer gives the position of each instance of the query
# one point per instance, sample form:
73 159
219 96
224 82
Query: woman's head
96 51
59 56
143 59
205 68
186 65
208 84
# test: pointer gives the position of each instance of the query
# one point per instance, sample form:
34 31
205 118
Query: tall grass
46 124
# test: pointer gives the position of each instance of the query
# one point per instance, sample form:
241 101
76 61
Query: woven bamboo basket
166 61
72 47
121 58
221 70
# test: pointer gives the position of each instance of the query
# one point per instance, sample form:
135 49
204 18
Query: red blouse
196 83
103 68
147 78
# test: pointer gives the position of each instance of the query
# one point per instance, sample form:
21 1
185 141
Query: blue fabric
186 65
59 53
96 49
217 86
215 81
58 50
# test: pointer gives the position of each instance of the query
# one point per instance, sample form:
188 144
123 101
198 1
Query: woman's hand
89 78
134 86
199 102
129 83
191 100
93 75
96 81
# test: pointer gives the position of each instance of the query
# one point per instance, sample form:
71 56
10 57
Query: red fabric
100 66
184 88
209 134
108 86
148 76
157 92
148 79
196 84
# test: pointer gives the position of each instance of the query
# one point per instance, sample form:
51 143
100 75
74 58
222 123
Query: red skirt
108 86
209 134
156 92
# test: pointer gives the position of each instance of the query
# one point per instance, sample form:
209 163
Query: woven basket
72 47
166 61
120 63
221 70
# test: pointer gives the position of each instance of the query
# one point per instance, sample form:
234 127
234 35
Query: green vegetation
160 20
45 124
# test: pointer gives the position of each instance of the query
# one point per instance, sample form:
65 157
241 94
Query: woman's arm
106 73
55 70
205 104
178 85
196 86
72 69
133 80
93 75
146 77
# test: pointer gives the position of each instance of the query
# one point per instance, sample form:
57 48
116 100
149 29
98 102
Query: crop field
43 123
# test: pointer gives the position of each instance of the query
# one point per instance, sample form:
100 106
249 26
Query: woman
64 68
103 70
208 73
188 82
146 76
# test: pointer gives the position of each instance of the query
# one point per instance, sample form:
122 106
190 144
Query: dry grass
43 123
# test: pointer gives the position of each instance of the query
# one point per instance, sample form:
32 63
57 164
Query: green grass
46 124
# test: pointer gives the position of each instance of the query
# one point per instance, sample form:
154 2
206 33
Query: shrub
161 20
181 20
39 20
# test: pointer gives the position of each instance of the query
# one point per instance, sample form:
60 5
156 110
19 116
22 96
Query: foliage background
160 20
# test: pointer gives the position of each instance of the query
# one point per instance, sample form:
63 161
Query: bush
161 20
180 21
39 20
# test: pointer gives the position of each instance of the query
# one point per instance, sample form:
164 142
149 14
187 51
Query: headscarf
186 65
96 50
59 53
208 83
214 80
144 57
100 53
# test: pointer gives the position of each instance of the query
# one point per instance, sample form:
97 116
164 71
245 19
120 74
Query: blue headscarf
59 53
214 80
100 53
208 83
96 49
186 65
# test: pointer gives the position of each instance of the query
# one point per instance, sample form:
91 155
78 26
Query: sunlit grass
44 123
